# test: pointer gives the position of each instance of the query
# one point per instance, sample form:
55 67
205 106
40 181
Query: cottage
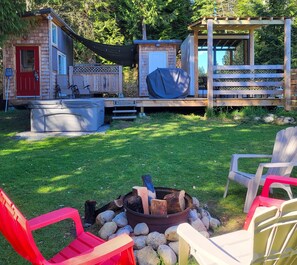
153 54
37 57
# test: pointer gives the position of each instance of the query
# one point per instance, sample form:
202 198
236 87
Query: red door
27 71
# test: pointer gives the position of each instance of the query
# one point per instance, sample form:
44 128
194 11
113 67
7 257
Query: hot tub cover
168 83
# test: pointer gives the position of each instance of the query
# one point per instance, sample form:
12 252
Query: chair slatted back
284 150
14 227
62 81
78 80
275 236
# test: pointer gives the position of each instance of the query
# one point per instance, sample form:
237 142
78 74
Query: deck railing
248 81
100 78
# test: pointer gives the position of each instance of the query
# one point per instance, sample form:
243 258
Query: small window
62 66
54 34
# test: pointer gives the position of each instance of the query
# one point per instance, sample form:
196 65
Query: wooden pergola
225 78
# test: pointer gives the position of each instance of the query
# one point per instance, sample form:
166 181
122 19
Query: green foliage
120 22
254 8
163 18
10 20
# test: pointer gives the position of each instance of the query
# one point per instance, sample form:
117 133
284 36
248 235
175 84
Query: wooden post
70 75
196 69
120 78
287 64
210 63
252 47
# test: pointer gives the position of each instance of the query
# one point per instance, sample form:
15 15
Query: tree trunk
143 30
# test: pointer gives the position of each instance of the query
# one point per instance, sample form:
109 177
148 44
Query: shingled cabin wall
144 48
38 37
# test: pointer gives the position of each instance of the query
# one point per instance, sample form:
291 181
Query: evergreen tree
162 19
10 21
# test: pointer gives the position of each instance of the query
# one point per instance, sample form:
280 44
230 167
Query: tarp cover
168 83
123 55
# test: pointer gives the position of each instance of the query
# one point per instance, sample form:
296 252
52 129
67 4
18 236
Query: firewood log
115 205
158 207
143 193
90 216
175 201
135 203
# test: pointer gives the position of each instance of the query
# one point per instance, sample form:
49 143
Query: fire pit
158 223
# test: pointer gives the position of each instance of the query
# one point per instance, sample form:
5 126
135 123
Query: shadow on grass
179 151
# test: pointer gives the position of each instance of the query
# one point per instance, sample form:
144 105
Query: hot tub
67 115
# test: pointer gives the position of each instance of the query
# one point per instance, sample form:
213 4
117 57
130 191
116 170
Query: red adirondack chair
263 200
85 249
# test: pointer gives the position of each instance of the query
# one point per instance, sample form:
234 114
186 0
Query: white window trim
56 34
60 54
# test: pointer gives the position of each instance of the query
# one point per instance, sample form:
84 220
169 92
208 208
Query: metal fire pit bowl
156 222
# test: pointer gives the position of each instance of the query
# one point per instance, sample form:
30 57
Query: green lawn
181 151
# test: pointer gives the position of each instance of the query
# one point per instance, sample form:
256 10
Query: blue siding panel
65 45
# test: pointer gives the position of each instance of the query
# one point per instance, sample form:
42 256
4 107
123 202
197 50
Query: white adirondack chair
283 159
272 240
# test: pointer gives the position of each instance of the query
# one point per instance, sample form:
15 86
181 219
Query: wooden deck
190 102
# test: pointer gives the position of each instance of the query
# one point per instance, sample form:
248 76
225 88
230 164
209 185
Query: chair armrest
276 179
278 164
256 182
105 251
203 246
57 216
236 157
261 166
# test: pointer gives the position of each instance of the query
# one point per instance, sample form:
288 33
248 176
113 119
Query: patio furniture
80 88
283 159
85 249
263 200
271 241
63 89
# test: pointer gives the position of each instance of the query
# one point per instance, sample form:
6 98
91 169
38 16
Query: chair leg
184 250
226 188
289 191
250 196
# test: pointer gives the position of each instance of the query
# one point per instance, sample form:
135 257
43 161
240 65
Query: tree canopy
10 20
121 22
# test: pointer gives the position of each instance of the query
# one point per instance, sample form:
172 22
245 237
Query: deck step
124 103
125 111
130 117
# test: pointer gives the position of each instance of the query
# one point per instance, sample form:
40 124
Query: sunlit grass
182 151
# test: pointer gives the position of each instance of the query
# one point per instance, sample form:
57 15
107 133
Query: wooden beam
246 22
210 63
244 75
196 69
287 64
249 67
248 92
241 102
248 84
252 47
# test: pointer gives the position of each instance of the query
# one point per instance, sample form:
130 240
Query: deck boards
195 102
